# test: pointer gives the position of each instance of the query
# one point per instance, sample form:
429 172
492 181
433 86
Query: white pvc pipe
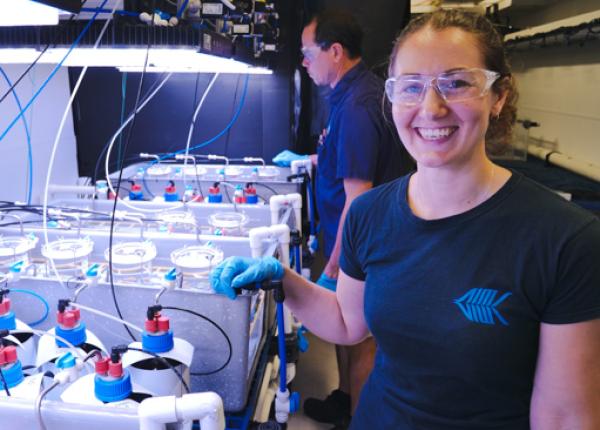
109 316
155 412
279 201
71 189
584 168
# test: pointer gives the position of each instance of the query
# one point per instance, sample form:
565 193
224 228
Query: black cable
267 187
218 328
4 382
53 42
112 219
164 361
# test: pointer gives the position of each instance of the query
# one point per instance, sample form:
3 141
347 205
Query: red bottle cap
10 354
5 306
115 369
101 366
163 324
69 320
151 326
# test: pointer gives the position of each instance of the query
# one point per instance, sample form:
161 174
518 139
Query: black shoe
334 409
343 423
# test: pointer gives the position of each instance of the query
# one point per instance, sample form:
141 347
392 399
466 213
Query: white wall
560 89
560 86
43 119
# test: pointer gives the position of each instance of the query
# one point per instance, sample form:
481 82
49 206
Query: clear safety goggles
455 86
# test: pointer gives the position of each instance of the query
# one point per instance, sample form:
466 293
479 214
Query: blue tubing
298 259
313 230
41 299
281 349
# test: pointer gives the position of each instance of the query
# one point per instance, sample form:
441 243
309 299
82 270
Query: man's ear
338 51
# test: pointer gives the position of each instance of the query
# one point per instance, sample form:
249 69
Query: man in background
359 149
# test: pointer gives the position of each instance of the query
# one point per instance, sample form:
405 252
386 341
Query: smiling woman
478 284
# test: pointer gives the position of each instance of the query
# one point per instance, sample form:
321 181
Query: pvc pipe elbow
206 407
281 232
155 412
256 237
296 165
295 200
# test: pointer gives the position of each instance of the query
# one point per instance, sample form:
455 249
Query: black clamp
295 237
303 175
63 304
116 352
292 350
152 311
3 292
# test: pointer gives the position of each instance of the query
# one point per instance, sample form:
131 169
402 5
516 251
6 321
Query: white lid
196 258
268 171
158 170
68 249
16 245
131 253
230 220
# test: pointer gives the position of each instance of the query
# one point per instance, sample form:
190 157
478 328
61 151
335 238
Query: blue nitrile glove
285 158
236 272
327 282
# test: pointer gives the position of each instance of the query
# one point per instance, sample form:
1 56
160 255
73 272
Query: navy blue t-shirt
455 304
359 144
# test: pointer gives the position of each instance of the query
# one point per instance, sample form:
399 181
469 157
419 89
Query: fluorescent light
26 12
177 60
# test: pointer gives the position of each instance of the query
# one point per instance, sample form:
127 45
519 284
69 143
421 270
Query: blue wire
118 12
41 299
313 230
37 93
211 140
29 151
181 9
221 133
281 347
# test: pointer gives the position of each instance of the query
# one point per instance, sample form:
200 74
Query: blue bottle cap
8 321
157 343
13 374
112 390
77 335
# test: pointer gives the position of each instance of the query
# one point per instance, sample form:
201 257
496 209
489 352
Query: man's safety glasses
310 53
455 86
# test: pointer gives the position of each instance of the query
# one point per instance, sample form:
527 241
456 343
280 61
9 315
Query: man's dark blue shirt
359 143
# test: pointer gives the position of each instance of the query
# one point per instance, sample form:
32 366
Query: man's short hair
338 26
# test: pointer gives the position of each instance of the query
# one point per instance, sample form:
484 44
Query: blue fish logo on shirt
479 306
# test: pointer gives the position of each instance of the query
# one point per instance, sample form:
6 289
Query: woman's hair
499 132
